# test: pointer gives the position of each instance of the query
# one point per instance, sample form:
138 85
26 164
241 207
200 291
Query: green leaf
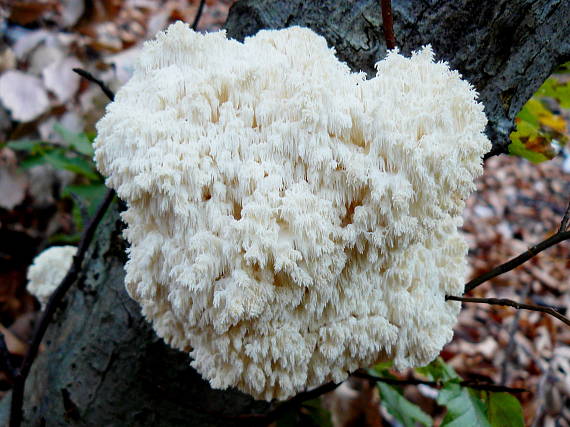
406 412
31 161
59 160
464 408
318 415
68 239
518 147
563 95
91 136
90 195
564 68
78 141
559 90
528 115
383 366
24 145
438 370
504 410
548 88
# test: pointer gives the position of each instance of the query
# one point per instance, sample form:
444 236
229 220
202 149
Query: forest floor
517 203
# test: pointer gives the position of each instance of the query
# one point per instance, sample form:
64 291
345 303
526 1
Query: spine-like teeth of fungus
48 270
291 221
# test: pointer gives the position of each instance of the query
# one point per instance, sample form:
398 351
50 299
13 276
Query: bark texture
104 366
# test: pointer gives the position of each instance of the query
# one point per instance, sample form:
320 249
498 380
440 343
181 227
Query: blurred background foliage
541 127
75 155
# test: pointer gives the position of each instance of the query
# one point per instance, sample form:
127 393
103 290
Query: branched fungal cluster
48 270
291 221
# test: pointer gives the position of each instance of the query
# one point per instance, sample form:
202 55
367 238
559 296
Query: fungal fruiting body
291 221
48 270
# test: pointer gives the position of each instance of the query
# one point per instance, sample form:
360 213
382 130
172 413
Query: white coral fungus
291 221
48 270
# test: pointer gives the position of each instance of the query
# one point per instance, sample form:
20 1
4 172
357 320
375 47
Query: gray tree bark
104 366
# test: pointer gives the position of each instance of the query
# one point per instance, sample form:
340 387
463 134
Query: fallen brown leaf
60 79
23 95
14 344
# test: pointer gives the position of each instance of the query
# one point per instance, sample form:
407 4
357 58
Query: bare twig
198 14
497 150
88 76
511 303
61 290
388 23
560 236
437 384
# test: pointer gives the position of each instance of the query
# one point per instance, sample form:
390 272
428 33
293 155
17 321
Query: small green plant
75 156
465 406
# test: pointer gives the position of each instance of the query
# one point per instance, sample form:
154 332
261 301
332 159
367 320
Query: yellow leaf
556 123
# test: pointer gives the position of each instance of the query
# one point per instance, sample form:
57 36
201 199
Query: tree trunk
104 366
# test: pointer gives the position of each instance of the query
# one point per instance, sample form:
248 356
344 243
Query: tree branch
61 290
511 303
88 76
497 150
438 384
560 236
198 14
388 23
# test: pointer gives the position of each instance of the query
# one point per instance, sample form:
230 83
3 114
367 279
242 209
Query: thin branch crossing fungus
511 303
70 278
198 15
88 76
